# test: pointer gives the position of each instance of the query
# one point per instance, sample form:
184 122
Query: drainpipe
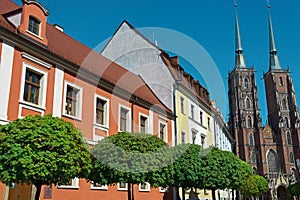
174 111
132 130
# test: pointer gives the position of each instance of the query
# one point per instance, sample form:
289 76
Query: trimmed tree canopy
294 189
42 151
132 158
254 185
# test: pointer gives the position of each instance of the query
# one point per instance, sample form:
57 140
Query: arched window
272 161
251 140
288 138
246 83
292 158
284 107
249 122
252 157
280 81
248 104
285 123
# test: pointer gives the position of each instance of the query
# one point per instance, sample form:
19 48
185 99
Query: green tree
254 185
187 165
131 158
42 151
223 170
294 189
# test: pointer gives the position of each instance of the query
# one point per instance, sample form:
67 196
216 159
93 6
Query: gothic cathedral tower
244 118
283 116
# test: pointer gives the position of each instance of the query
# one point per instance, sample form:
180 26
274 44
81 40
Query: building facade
45 71
271 149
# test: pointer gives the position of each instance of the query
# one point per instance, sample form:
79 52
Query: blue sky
210 23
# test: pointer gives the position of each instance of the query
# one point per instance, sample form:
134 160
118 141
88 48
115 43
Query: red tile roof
70 49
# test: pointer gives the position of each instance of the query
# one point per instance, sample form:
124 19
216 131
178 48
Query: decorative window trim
78 114
36 60
128 123
75 184
122 189
147 188
166 130
147 124
43 86
103 187
106 111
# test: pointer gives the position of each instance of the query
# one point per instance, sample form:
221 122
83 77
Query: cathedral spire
274 59
239 53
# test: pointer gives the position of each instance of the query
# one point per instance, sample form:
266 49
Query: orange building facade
44 71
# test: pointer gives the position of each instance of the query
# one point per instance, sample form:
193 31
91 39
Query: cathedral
272 149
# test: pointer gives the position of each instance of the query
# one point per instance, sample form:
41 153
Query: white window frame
128 123
106 111
78 112
75 184
166 130
43 86
103 187
147 124
147 187
162 189
122 189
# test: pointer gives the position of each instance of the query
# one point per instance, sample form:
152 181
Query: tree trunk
183 193
128 191
213 192
38 191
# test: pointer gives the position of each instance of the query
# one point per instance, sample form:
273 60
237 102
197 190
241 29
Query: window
73 183
246 83
201 118
202 140
32 87
183 137
285 123
97 186
102 105
272 161
280 81
251 140
124 119
288 138
34 25
192 111
144 187
122 186
248 104
208 123
73 99
182 105
292 158
284 107
143 124
194 136
252 157
163 189
162 131
249 122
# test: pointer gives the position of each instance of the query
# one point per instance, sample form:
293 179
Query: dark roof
77 53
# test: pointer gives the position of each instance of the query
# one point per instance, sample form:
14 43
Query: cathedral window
288 138
272 161
246 83
252 157
248 104
284 107
280 81
292 158
251 140
249 122
285 123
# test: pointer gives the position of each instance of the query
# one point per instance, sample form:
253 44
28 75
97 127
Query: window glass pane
100 106
33 25
32 87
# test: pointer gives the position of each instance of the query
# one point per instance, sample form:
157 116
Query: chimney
58 27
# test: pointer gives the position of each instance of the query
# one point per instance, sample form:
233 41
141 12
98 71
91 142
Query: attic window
34 25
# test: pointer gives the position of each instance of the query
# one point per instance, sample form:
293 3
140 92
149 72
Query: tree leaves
254 185
294 189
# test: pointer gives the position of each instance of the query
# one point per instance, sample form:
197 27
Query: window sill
42 108
144 190
101 126
35 35
67 187
72 117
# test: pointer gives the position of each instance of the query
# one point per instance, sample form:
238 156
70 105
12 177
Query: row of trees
47 150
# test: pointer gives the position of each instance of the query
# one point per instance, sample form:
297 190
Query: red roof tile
7 6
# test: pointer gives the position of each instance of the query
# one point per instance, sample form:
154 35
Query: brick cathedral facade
272 149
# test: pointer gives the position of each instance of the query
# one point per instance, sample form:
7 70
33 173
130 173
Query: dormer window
34 25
